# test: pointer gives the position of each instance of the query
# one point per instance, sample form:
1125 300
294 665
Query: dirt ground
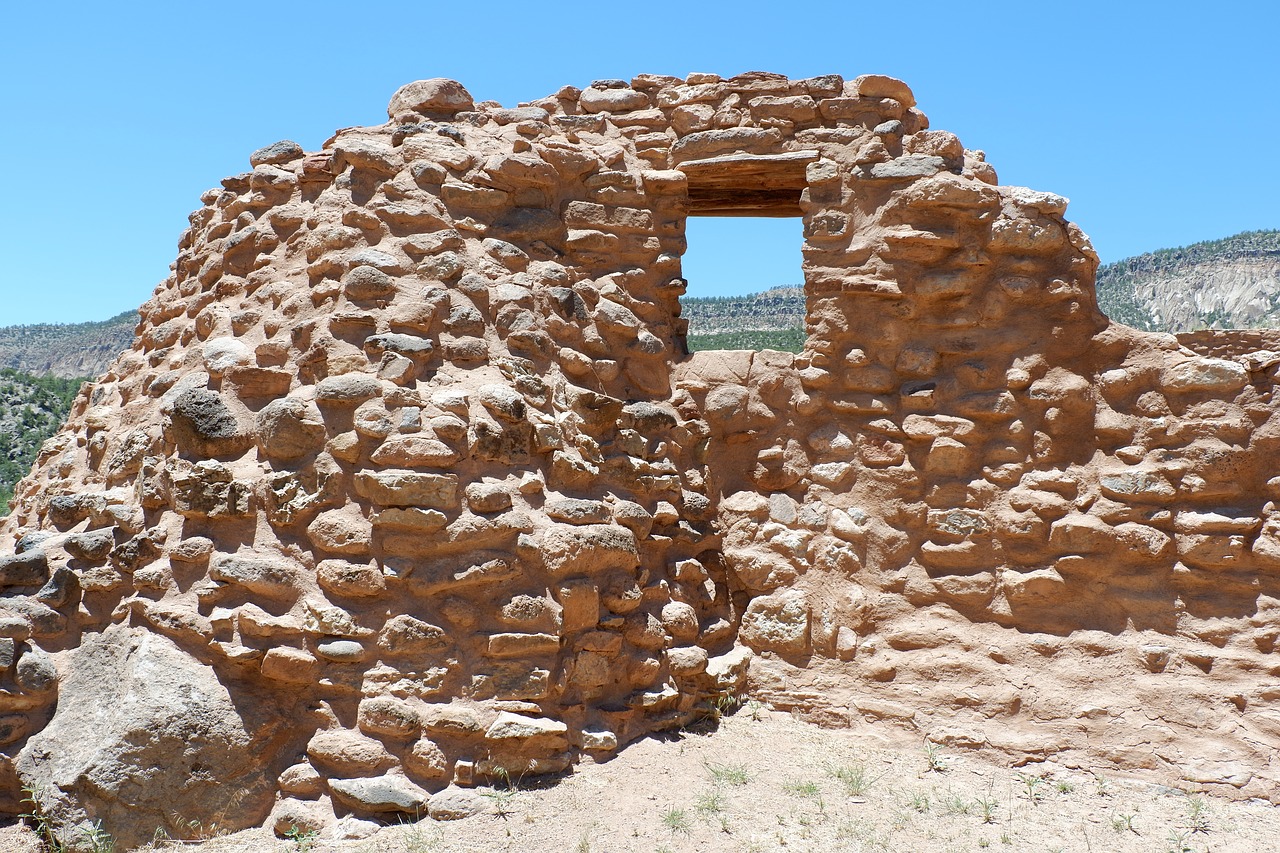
763 781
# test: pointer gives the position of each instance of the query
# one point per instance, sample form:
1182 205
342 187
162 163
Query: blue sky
1159 121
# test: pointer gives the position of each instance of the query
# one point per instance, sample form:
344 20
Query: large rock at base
145 737
455 803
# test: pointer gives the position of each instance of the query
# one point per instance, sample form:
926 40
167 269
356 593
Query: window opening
745 283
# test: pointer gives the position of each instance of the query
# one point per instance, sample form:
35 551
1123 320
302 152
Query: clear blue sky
1159 120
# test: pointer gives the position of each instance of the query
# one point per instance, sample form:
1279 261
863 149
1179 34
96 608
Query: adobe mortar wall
408 452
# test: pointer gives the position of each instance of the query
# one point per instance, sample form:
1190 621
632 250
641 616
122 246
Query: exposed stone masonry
407 482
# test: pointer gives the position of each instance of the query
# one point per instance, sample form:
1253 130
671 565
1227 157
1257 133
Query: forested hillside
773 319
1232 283
31 409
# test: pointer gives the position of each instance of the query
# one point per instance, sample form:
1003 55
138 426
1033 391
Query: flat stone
349 389
907 166
523 645
261 575
509 726
406 634
411 346
341 651
1216 375
578 510
382 794
1137 485
488 497
594 548
386 716
612 100
382 261
355 580
292 666
415 451
408 488
367 154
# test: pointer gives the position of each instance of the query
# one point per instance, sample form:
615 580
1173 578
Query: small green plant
1033 786
1103 785
715 708
38 820
732 775
304 840
1180 842
675 820
98 839
93 837
807 790
1197 815
710 802
935 760
501 798
1122 822
190 830
1063 786
756 707
416 837
855 778
984 843
920 802
503 793
956 804
987 806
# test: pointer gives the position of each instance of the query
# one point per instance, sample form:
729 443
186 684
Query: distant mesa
67 351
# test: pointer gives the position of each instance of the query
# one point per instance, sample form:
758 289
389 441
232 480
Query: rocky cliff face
408 484
1221 284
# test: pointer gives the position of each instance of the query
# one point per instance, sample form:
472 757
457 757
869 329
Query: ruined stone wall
407 482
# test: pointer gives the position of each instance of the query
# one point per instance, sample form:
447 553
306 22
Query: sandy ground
763 781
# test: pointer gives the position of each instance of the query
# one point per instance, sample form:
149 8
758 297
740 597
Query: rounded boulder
289 428
437 95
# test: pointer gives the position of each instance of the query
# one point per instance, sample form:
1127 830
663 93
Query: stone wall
1230 343
408 484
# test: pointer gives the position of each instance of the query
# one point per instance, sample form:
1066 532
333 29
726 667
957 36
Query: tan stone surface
412 422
